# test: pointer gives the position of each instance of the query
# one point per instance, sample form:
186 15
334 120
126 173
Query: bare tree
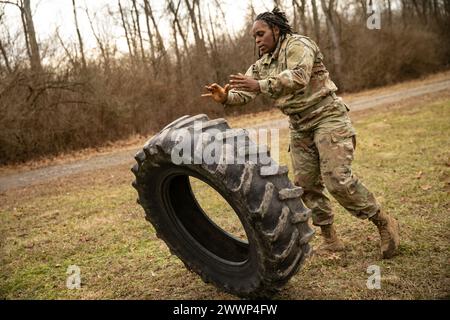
125 28
421 9
132 27
3 50
389 10
80 39
200 22
150 39
213 42
316 20
5 57
66 50
331 17
363 4
177 49
20 6
301 8
161 48
224 25
31 34
295 13
104 50
407 11
176 21
199 43
25 30
137 29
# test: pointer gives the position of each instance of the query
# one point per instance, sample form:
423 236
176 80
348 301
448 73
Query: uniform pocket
342 133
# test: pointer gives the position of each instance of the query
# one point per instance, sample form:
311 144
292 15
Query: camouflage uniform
322 136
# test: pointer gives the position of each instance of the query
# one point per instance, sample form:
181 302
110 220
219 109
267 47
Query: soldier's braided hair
276 18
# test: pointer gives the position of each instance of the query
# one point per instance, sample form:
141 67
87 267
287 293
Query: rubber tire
269 207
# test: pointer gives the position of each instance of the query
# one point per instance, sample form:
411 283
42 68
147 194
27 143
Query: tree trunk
133 32
404 10
80 40
200 22
161 47
213 33
316 21
150 39
35 58
25 32
420 11
389 7
5 57
295 22
332 27
447 8
149 12
139 34
124 25
177 51
303 17
363 4
301 10
177 22
199 44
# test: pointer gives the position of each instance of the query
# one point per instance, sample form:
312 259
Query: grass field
92 221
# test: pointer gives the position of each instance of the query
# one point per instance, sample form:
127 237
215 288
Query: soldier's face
265 39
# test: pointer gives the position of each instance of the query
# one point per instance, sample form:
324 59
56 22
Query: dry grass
91 220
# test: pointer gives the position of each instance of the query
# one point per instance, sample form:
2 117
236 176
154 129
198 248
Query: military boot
330 240
389 233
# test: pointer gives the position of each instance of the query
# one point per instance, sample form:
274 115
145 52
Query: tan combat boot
389 233
330 240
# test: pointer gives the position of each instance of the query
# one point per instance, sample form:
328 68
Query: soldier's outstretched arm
217 93
241 90
244 88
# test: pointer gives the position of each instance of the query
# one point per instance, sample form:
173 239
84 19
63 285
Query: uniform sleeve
238 97
300 60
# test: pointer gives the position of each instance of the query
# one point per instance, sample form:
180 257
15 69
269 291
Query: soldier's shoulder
304 41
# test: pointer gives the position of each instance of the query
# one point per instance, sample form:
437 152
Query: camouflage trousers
322 144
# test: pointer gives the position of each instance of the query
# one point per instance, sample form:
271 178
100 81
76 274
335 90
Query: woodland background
55 96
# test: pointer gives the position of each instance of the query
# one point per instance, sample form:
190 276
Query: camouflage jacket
294 75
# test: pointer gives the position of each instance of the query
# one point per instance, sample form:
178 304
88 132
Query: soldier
322 139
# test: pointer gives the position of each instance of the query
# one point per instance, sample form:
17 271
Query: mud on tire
267 204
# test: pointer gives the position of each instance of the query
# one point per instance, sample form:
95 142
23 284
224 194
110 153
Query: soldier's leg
336 154
335 140
306 165
336 148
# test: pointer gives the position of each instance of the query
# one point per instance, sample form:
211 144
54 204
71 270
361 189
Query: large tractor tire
268 205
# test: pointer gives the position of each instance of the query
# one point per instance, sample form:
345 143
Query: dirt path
361 102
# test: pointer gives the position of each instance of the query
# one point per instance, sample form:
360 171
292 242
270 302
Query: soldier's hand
244 83
216 92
